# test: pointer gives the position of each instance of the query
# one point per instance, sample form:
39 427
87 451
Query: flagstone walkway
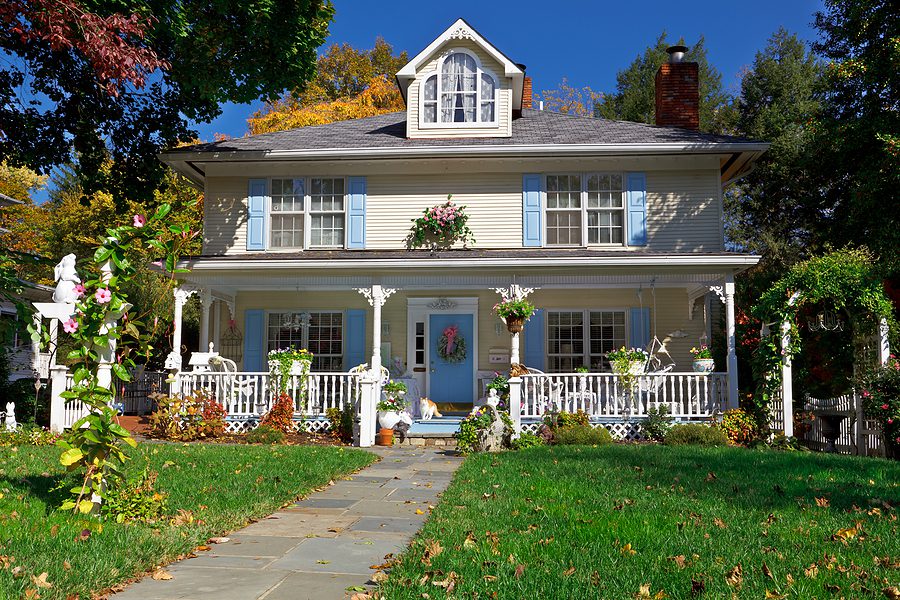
321 546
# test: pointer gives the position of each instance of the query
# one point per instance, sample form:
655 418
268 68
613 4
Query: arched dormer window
460 94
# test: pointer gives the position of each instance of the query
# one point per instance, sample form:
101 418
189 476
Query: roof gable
461 30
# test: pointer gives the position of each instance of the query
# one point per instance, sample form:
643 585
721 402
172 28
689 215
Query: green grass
222 486
556 523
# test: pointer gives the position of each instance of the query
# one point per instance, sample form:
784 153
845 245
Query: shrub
583 435
526 440
480 419
195 417
135 500
657 424
696 434
281 416
739 426
28 435
881 400
265 434
341 422
567 419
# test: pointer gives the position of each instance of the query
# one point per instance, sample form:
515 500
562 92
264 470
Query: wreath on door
451 345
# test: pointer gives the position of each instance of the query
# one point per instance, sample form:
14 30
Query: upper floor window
585 208
460 93
292 208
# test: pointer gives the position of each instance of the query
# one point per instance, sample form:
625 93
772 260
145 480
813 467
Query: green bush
136 499
27 435
583 435
526 440
265 434
341 422
657 424
696 434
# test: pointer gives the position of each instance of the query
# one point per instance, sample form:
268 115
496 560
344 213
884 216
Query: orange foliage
380 96
571 100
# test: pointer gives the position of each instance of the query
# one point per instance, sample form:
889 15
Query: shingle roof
534 128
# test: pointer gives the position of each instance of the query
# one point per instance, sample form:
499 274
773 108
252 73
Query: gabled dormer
461 86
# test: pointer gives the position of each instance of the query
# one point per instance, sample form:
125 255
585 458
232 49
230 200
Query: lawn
222 487
644 521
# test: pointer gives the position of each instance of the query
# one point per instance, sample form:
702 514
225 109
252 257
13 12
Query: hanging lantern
825 321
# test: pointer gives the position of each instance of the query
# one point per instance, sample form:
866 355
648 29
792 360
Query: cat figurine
10 422
428 409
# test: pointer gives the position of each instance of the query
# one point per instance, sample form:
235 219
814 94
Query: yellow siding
671 315
684 211
225 215
503 108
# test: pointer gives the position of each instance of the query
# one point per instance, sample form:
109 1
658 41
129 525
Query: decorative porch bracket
514 292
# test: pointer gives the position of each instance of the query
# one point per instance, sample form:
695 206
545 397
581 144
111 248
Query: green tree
775 209
115 81
858 149
635 95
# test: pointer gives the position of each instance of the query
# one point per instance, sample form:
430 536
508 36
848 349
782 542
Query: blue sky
585 41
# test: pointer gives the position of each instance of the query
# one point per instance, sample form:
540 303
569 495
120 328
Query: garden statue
10 420
496 436
493 399
67 280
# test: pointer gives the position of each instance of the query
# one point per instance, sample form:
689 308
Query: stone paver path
320 546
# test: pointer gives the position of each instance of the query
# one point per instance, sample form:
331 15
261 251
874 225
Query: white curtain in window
458 101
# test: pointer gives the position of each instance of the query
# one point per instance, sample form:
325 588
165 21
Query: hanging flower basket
451 345
514 313
515 324
440 227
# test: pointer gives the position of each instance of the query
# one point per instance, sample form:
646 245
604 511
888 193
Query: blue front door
451 381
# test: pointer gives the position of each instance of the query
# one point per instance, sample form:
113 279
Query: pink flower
140 220
890 421
79 289
70 326
103 295
884 407
866 394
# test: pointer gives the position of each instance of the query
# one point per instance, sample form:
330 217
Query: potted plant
440 227
389 409
703 360
628 361
514 313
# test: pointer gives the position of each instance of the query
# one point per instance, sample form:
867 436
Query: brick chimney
678 91
526 93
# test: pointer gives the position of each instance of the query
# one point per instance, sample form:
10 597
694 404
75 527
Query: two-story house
617 226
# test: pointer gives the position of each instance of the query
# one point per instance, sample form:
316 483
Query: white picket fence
858 434
688 396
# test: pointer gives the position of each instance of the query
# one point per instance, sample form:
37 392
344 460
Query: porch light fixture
825 321
296 321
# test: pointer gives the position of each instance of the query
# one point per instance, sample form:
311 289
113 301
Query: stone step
445 440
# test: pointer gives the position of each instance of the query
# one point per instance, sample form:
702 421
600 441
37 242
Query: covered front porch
395 314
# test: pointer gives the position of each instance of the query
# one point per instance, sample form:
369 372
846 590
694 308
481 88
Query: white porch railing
603 396
246 394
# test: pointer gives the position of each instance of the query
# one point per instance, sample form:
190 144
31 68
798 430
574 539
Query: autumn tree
112 82
348 84
570 100
635 95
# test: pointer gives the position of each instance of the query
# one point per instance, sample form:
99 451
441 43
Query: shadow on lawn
51 490
762 480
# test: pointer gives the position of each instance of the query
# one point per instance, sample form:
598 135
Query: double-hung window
585 209
307 213
460 93
319 332
582 338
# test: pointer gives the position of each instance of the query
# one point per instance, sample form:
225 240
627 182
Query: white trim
479 71
584 175
306 213
586 329
282 311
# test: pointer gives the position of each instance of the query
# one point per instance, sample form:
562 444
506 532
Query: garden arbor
847 281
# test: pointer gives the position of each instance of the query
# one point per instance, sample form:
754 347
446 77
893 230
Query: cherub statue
493 399
67 278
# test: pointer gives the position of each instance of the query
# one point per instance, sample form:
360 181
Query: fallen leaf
53 530
891 593
67 566
823 502
432 549
627 550
322 561
568 571
219 540
356 588
379 577
419 511
41 581
519 570
361 596
161 575
698 586
678 560
735 577
720 523
30 594
203 548
844 534
490 578
595 578
774 595
711 476
766 571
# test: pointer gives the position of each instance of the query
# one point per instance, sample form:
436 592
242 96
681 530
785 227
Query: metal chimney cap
676 53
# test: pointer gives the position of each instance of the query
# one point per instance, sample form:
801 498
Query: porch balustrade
688 396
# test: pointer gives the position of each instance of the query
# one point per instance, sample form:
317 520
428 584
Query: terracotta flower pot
515 324
385 437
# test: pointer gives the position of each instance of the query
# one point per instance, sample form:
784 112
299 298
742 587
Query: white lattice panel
238 425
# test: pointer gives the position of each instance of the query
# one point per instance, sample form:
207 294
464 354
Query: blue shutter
535 356
354 339
636 200
639 328
356 214
532 227
254 340
256 214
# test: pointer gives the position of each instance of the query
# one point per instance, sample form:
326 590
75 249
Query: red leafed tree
112 44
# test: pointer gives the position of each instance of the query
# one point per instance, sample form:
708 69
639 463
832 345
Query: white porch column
217 325
173 360
376 296
514 292
205 305
514 349
884 344
787 384
515 404
57 403
732 355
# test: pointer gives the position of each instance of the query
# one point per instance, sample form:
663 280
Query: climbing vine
96 443
847 280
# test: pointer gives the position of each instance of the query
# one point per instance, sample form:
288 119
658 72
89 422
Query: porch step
445 425
438 439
